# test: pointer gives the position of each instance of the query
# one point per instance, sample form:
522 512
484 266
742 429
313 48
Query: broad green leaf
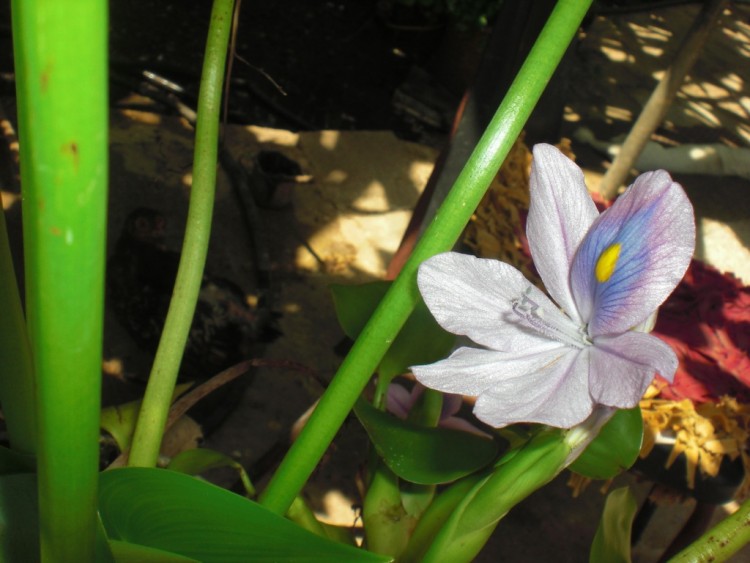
180 514
615 449
355 303
612 540
426 456
19 518
196 461
12 462
103 548
421 341
125 552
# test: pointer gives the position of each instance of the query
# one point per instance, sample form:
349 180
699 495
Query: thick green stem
153 415
720 542
61 68
440 236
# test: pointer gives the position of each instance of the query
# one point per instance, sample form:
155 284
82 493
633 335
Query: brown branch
656 107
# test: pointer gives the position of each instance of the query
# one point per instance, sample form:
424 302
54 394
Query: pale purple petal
560 213
556 394
472 371
451 405
398 400
651 230
623 366
474 297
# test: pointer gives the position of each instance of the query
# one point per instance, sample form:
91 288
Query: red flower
707 322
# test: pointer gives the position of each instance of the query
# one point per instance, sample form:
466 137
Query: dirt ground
336 67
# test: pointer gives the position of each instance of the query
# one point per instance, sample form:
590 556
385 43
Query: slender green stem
153 415
720 542
441 235
61 67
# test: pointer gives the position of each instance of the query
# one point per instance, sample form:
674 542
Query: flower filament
561 328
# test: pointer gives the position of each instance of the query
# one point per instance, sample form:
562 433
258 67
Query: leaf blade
615 449
612 540
426 456
173 512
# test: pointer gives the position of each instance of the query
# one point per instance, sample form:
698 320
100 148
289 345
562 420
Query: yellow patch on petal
607 262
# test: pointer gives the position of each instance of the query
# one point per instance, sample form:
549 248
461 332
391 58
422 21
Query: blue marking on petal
652 222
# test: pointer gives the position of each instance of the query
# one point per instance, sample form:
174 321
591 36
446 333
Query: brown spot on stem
55 231
72 149
44 78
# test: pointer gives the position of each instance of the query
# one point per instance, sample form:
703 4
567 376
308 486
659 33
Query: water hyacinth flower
554 362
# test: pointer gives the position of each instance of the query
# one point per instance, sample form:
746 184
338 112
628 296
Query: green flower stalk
153 416
720 542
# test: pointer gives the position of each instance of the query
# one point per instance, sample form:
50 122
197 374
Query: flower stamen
565 332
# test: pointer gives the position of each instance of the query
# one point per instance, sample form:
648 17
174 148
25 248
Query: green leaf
426 456
12 462
102 547
612 540
125 552
19 518
196 461
173 512
615 449
421 341
354 304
